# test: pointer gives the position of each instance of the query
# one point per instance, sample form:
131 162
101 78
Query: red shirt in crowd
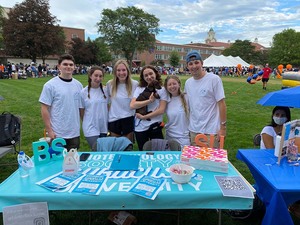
267 71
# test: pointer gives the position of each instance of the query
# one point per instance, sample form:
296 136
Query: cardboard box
122 218
203 158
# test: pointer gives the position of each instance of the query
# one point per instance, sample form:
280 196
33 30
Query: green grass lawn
244 119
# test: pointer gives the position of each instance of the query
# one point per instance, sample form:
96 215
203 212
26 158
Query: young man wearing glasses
60 102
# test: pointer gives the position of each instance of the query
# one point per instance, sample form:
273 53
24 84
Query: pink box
202 158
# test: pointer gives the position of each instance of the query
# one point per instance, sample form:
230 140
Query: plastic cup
23 172
47 139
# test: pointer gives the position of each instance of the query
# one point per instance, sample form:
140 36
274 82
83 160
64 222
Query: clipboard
125 162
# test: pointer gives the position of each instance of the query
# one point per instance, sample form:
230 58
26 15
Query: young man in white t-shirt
206 100
60 103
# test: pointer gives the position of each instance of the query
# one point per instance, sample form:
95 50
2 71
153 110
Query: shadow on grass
161 217
147 217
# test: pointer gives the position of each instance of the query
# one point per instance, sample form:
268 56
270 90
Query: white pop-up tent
221 60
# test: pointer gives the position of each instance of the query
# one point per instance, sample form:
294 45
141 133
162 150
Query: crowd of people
112 107
26 70
35 70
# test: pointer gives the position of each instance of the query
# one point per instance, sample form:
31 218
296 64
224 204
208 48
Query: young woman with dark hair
94 107
149 126
280 115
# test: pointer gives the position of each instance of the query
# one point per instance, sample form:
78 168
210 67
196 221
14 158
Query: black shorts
122 126
265 79
72 143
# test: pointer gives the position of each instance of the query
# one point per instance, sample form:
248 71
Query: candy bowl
181 173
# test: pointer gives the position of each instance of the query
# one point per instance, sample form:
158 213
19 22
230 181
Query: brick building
162 50
51 60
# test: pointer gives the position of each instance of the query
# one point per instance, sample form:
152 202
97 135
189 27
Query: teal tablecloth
202 192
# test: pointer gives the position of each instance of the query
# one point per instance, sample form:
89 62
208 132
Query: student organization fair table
277 186
199 193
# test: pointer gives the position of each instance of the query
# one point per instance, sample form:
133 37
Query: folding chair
161 145
109 144
12 148
256 140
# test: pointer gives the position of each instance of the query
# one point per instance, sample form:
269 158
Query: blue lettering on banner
150 165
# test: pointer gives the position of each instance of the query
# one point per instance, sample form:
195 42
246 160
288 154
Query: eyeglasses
68 64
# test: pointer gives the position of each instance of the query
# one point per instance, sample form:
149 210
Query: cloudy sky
185 21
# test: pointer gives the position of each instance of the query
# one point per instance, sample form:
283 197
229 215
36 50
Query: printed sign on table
234 186
26 214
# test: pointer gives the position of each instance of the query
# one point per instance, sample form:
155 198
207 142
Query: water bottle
25 164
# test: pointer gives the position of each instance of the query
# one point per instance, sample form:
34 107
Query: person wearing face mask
280 115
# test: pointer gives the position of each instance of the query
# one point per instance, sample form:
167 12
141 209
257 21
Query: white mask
279 120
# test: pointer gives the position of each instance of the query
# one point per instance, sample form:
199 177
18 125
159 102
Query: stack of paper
59 181
147 187
90 184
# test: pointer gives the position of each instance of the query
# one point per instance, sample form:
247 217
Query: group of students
112 107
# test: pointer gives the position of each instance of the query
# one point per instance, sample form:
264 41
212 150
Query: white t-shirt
143 125
203 95
178 122
120 103
95 120
270 131
64 100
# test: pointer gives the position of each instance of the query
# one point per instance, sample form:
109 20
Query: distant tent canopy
221 60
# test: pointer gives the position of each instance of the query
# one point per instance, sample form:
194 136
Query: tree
89 52
80 52
1 26
103 54
31 31
245 50
174 58
157 62
128 30
285 48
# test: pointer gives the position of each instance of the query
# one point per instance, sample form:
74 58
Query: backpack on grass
10 129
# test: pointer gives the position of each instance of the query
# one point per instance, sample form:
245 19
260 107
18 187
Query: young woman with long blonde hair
120 90
177 112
